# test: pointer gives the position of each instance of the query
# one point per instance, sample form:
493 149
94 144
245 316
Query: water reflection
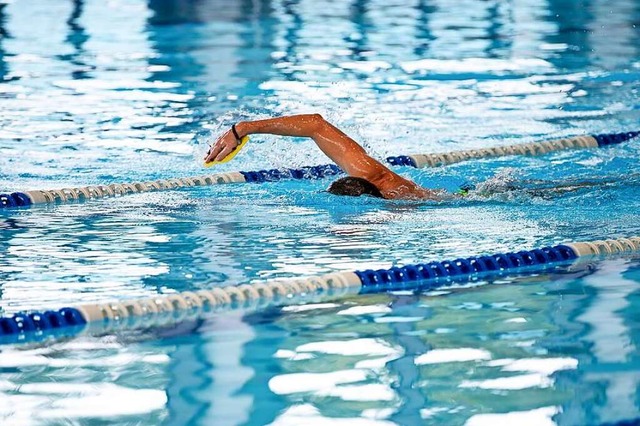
3 35
30 397
77 37
408 336
609 335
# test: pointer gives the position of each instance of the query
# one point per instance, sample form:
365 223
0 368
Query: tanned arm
339 147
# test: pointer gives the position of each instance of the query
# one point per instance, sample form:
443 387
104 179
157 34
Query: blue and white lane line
173 308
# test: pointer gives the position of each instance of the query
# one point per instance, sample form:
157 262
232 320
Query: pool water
96 92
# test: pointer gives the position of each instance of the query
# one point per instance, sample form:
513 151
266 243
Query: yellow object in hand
232 154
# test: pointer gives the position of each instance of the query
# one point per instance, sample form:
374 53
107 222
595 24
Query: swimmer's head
354 187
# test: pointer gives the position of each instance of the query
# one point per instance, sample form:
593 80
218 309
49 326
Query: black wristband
235 132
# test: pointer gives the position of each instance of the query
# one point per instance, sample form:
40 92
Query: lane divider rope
172 308
28 198
531 149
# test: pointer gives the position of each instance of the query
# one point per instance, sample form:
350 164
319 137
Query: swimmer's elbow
315 124
317 120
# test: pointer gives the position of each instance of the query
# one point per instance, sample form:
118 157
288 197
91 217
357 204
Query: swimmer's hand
222 147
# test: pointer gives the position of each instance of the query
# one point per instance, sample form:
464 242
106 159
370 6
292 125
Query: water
118 91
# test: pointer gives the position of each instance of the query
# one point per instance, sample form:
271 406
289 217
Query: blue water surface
96 92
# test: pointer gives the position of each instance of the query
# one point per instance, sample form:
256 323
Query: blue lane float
163 310
35 322
437 273
16 199
615 138
312 172
28 198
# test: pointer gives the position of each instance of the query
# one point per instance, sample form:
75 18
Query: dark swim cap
354 186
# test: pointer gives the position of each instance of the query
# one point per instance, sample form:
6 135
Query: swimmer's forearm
343 150
303 125
335 144
331 140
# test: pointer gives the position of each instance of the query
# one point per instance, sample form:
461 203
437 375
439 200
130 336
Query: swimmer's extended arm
343 150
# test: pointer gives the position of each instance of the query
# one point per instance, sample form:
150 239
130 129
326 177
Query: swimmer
367 176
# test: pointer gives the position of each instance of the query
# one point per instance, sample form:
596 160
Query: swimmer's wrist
235 133
242 130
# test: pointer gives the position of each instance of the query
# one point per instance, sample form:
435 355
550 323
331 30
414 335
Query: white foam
310 307
292 355
309 415
285 384
367 309
16 359
477 65
377 363
368 392
88 400
537 417
372 347
438 356
523 381
546 366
